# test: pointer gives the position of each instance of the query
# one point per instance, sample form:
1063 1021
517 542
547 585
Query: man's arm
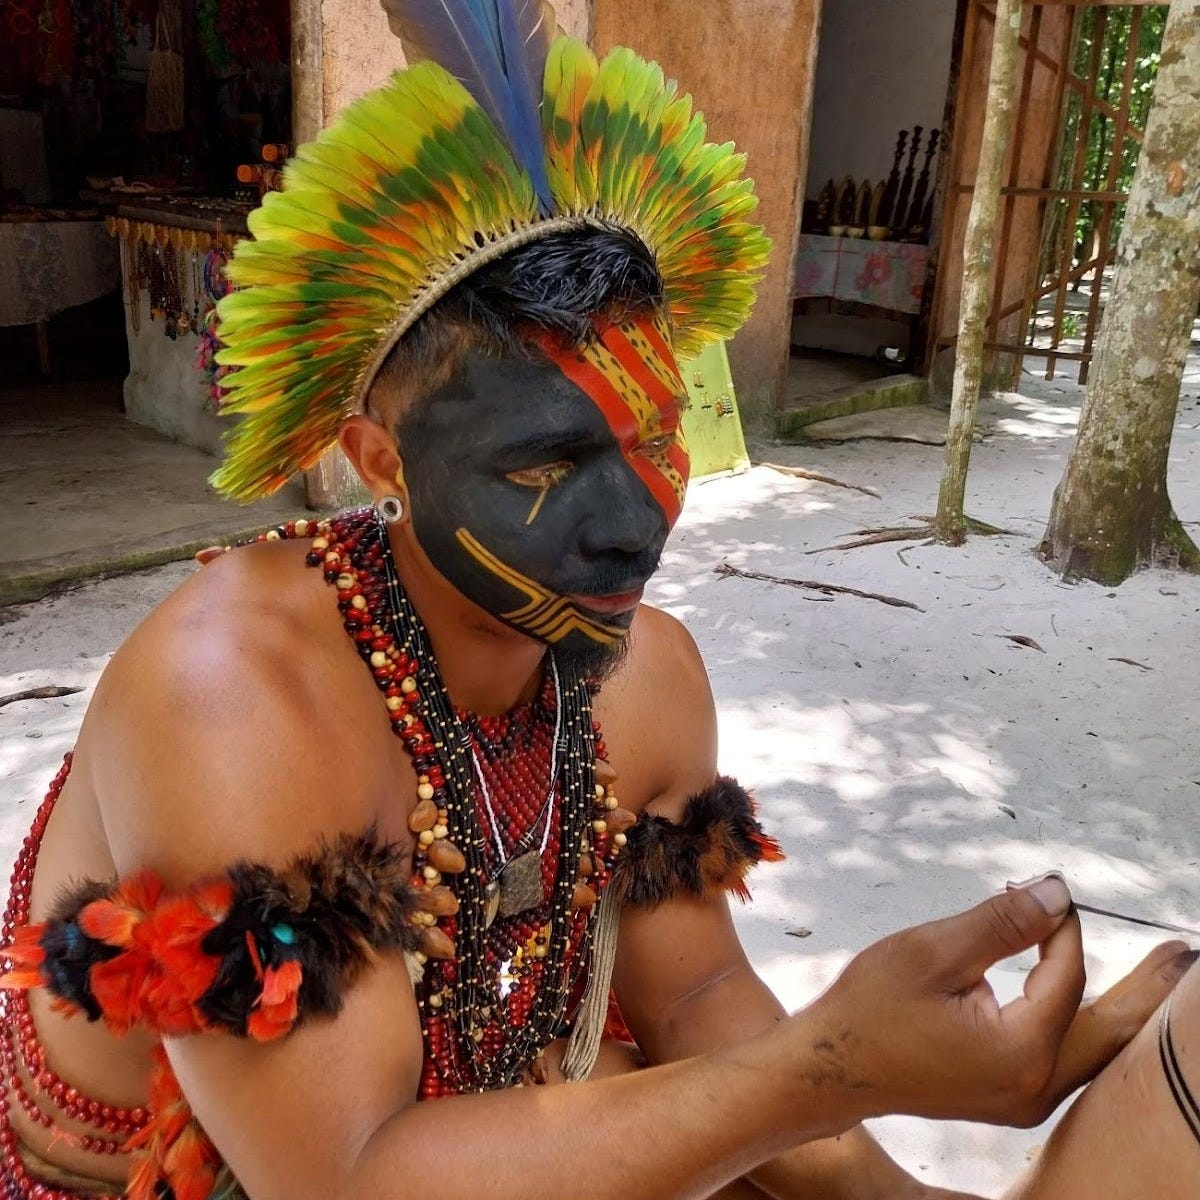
685 986
721 1002
683 981
208 745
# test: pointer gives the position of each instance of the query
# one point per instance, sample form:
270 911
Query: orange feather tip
277 1007
25 956
769 848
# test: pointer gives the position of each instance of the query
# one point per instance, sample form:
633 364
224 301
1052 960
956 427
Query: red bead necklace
495 990
20 1049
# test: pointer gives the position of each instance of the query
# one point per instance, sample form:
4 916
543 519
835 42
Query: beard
586 659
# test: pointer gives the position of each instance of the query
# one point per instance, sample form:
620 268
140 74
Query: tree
1112 513
950 524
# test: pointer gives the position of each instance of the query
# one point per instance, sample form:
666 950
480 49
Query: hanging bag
164 82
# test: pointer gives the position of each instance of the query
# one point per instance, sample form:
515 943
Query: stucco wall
749 65
163 389
360 52
883 66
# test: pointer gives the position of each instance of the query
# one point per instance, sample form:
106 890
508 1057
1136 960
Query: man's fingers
1004 925
1053 988
1104 1027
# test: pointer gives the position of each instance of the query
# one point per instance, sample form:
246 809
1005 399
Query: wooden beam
1100 3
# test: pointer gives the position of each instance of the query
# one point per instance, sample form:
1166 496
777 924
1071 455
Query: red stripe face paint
630 374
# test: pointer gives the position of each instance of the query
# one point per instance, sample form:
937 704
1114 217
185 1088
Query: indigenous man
380 809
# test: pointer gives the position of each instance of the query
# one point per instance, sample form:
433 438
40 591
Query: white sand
910 761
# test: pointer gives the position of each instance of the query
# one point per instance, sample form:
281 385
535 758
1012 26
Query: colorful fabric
889 275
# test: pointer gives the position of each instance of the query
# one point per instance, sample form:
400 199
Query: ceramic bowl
878 233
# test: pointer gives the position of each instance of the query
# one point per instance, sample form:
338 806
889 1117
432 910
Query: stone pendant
520 885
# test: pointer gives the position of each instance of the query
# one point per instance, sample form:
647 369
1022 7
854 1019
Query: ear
373 454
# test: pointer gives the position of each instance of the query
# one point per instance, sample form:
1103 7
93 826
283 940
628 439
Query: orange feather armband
252 952
710 850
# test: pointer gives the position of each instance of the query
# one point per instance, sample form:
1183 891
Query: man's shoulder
658 713
223 726
247 608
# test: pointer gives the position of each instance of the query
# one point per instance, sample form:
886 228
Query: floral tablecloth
47 266
888 275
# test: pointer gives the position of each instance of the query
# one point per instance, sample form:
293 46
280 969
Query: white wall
164 388
884 66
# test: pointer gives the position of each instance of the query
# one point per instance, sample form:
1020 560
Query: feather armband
711 850
252 952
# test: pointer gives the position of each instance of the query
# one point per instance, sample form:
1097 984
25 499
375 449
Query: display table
47 266
168 249
883 275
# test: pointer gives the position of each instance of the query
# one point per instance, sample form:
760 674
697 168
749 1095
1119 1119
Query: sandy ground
911 761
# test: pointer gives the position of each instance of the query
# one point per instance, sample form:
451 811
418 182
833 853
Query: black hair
559 284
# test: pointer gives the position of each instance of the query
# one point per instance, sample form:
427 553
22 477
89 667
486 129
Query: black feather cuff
710 850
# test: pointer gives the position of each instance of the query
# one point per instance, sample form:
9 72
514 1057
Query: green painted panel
712 425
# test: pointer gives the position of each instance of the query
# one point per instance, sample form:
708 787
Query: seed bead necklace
496 989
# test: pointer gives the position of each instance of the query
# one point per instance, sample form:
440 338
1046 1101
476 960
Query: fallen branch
924 531
39 693
817 477
1132 662
828 589
876 537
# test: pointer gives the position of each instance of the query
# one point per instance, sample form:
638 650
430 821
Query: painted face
544 491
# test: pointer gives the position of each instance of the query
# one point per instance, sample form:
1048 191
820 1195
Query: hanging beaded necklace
21 1054
507 944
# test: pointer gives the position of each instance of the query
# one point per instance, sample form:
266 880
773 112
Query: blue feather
497 50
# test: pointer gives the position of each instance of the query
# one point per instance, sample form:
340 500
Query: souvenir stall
864 248
134 138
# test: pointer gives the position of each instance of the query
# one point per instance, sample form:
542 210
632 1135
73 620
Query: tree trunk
1111 512
950 522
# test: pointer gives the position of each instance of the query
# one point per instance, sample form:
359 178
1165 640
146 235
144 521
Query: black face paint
524 500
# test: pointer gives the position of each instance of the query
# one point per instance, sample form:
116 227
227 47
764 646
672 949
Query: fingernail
1024 883
1184 962
1049 890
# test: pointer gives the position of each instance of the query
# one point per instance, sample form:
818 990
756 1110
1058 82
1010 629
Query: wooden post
950 522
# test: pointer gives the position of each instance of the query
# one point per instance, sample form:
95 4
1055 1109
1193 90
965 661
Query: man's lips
612 605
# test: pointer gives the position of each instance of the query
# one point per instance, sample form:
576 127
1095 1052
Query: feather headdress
500 135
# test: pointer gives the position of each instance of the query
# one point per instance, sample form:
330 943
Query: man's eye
659 443
544 477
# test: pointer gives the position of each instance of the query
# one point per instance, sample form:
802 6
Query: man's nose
626 519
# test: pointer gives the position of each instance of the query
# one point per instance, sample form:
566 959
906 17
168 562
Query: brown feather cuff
251 952
709 851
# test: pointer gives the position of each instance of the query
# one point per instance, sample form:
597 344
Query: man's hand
912 1026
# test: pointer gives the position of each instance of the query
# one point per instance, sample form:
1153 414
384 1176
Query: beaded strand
20 1048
